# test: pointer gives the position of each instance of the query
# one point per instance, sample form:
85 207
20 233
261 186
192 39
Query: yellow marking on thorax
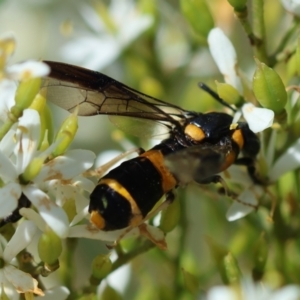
194 132
157 159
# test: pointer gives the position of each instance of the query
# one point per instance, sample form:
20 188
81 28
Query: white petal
221 293
85 231
257 118
8 44
81 202
91 18
23 282
107 156
225 57
27 70
54 215
28 136
120 10
239 210
236 117
292 6
7 144
9 197
85 50
20 240
57 293
71 164
3 244
7 169
7 97
33 216
80 216
289 292
9 289
238 174
120 278
133 28
3 279
84 183
288 161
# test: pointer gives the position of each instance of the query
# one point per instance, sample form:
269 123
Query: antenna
207 89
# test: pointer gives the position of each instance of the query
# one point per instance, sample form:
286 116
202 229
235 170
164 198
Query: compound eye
194 133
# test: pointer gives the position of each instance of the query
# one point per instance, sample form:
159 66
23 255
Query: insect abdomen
128 193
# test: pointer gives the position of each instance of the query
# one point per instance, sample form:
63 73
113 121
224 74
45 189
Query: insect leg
252 171
100 171
159 242
216 179
15 215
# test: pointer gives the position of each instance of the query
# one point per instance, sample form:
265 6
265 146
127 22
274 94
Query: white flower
249 291
63 169
292 6
151 232
12 279
257 118
225 57
26 70
247 201
21 71
101 46
7 97
288 161
57 293
25 149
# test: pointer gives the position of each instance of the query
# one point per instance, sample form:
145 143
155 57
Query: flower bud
101 266
238 5
226 262
297 57
39 104
110 294
25 94
191 282
268 88
195 10
32 170
66 134
260 256
3 295
70 208
170 216
228 93
7 48
49 247
232 269
47 115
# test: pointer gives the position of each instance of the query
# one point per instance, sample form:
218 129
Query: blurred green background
166 59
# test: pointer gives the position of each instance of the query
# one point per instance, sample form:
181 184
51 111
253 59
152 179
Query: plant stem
259 30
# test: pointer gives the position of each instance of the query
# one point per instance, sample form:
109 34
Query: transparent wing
94 93
142 127
198 162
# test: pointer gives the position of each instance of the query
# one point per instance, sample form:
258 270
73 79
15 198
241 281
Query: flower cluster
257 118
37 170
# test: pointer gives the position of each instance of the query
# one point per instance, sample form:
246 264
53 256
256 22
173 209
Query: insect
198 145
